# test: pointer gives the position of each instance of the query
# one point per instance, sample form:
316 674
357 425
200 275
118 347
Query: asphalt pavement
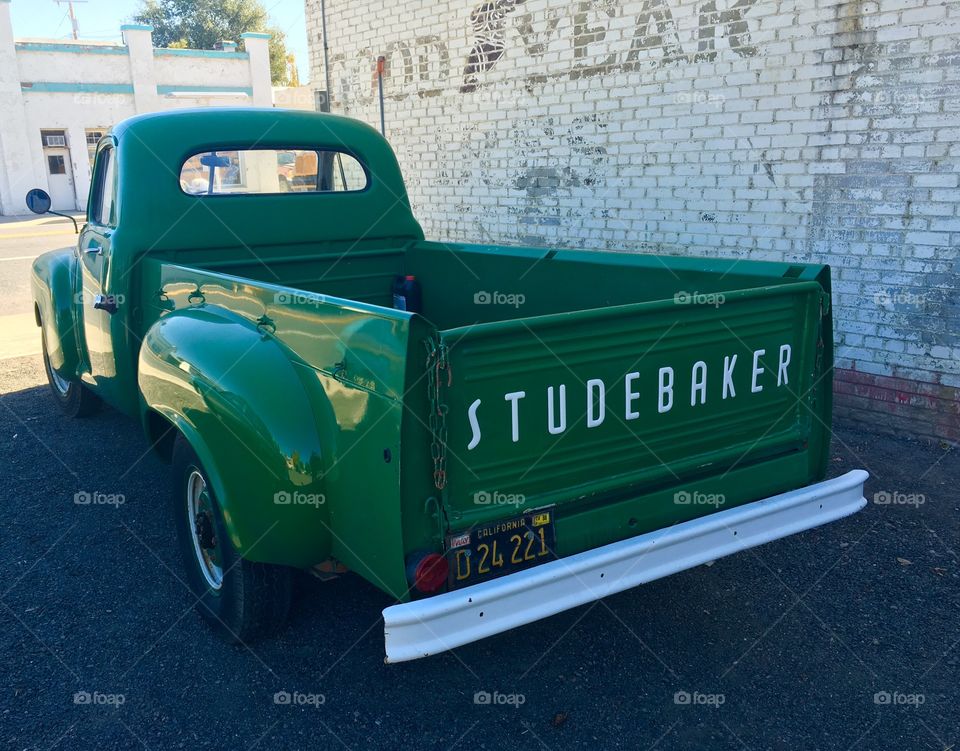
843 637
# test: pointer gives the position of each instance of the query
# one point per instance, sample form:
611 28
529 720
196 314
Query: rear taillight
427 572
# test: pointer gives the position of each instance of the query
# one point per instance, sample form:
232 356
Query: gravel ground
842 637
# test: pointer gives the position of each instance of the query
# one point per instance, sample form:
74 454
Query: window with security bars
54 138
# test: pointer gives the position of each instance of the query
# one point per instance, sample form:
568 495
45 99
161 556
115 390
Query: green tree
201 24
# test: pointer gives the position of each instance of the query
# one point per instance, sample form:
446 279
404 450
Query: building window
56 165
93 138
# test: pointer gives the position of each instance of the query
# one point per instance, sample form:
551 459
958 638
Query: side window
103 200
346 172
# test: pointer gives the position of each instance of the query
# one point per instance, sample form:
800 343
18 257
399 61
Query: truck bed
469 284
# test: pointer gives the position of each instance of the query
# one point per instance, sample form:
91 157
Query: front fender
255 418
52 282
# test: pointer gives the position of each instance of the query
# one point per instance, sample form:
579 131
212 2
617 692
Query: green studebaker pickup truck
488 434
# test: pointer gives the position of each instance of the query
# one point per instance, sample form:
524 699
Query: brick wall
795 130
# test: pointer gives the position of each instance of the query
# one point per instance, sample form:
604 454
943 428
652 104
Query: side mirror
38 201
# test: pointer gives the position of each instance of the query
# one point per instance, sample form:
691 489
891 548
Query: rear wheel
73 398
242 600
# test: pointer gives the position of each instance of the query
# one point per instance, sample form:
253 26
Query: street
842 637
20 242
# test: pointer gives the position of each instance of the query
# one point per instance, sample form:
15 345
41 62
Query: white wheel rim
198 507
61 384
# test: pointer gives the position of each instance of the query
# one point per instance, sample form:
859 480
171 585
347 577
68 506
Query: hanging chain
820 347
437 363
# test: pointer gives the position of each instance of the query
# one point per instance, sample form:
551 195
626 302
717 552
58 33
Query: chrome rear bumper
425 627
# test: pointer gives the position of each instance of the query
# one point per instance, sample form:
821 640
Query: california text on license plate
487 551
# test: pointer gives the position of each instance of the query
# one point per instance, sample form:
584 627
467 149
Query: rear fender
52 283
259 421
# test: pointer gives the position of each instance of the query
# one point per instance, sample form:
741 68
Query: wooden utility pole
73 17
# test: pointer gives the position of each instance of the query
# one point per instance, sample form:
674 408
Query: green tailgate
707 403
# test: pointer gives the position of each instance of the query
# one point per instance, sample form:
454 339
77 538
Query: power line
73 17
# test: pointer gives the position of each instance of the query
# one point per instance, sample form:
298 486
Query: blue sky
101 19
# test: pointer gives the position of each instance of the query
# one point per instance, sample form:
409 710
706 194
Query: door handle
93 250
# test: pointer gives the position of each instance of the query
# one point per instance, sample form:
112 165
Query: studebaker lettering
595 389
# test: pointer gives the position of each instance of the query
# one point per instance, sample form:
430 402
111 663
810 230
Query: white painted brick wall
825 131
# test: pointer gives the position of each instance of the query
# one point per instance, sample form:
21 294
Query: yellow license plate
487 551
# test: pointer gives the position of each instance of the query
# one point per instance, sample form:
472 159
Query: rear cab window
271 171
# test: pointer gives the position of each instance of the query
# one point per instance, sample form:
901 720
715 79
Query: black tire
253 599
73 398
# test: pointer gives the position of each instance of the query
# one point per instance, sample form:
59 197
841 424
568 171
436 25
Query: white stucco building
58 97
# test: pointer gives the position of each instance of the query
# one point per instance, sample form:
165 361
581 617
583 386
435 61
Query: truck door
97 309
